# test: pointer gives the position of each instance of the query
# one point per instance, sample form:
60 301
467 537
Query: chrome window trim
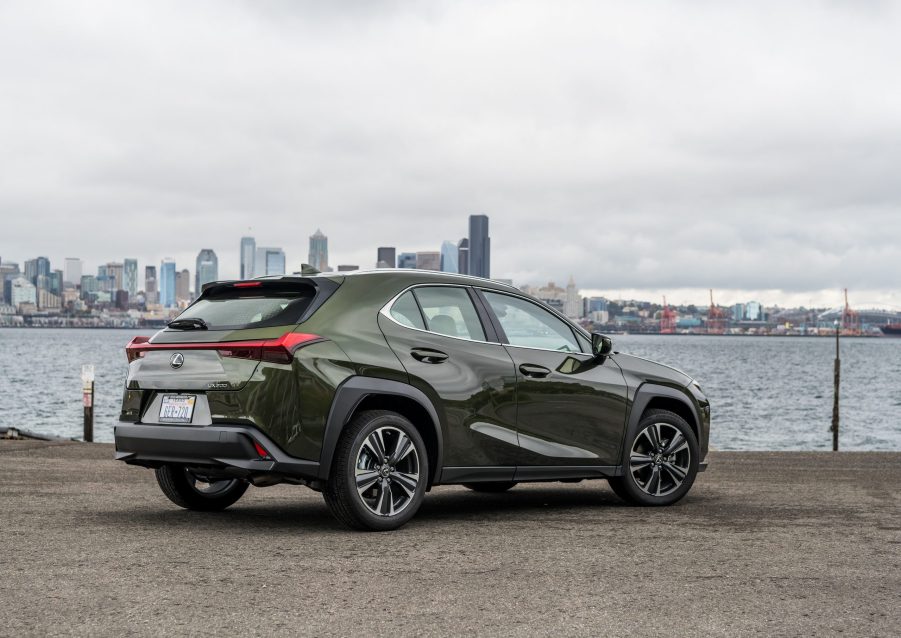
386 312
553 312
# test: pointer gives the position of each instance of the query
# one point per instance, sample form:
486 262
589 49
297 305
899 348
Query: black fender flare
349 395
643 396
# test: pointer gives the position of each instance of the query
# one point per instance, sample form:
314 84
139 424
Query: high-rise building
73 270
406 260
479 247
463 256
55 282
754 311
318 251
38 267
182 285
428 260
248 254
22 291
573 304
387 257
269 261
167 282
113 272
151 286
130 277
206 269
89 286
449 256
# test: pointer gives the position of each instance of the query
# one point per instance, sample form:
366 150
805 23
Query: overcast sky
645 148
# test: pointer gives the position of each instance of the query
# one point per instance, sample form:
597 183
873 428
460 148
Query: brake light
261 451
279 350
247 284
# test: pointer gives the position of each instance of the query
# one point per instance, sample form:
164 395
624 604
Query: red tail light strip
279 350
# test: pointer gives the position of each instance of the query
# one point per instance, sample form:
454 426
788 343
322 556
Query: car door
457 361
571 406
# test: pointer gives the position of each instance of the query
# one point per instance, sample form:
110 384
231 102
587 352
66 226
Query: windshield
228 308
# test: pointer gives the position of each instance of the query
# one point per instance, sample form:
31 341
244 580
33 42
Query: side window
449 311
531 326
406 312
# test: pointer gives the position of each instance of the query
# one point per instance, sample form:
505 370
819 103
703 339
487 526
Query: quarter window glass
449 311
406 312
530 325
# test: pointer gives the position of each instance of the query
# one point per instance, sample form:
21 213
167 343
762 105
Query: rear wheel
193 491
492 487
380 471
660 460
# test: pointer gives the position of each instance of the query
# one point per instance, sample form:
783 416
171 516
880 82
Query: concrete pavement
766 543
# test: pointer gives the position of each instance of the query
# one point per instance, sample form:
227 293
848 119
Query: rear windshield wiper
188 324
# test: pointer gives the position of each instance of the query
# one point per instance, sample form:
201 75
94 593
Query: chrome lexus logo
177 360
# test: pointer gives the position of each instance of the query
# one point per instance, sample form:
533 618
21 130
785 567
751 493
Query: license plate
177 408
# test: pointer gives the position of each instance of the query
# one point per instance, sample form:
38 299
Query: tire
379 473
188 490
490 487
652 478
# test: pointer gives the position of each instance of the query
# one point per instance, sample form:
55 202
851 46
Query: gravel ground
766 543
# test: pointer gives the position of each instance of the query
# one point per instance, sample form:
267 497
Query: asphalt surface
766 543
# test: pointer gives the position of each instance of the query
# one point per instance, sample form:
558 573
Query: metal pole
87 388
836 383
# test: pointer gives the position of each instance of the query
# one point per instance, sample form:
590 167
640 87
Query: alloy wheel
387 471
660 459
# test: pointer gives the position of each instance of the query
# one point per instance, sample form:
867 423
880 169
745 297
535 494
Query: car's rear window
233 308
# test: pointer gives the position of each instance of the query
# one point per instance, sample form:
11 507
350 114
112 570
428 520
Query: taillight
133 350
279 350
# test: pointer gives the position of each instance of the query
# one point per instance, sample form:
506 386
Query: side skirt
454 475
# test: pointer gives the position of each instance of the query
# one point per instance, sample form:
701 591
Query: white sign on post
87 376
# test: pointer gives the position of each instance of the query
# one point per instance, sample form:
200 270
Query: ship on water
891 330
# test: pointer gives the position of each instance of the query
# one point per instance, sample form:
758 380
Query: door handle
535 371
427 355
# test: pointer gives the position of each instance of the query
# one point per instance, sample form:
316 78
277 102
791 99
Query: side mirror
601 346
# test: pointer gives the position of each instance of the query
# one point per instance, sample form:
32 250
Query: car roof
414 273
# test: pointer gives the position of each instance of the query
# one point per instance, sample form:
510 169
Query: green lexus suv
373 387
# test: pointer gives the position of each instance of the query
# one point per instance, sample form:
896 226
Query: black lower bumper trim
223 446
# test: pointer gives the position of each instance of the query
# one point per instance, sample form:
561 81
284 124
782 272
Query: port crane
716 318
667 319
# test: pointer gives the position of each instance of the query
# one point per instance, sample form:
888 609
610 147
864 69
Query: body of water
767 393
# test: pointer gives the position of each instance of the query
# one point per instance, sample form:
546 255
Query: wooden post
87 389
836 383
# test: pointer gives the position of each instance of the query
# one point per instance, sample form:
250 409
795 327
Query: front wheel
379 474
660 460
196 492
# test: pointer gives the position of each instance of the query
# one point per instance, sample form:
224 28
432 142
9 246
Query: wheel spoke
638 461
407 481
366 479
652 432
653 484
376 443
678 444
385 505
677 473
402 449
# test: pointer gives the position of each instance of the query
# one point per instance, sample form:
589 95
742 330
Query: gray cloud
744 147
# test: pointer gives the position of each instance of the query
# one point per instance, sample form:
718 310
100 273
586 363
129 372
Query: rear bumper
227 447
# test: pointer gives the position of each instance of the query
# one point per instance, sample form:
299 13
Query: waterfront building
130 277
387 257
572 307
72 270
738 312
463 256
347 268
248 254
47 300
479 247
22 291
206 269
449 256
269 261
754 311
406 260
428 260
182 286
318 258
167 283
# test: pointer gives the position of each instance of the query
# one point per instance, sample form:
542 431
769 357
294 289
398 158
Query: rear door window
268 304
406 312
449 311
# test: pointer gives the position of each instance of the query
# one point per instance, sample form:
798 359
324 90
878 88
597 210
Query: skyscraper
182 285
248 253
479 246
406 260
35 268
130 277
318 251
167 282
387 257
206 269
449 256
269 261
463 256
115 274
428 260
151 289
73 270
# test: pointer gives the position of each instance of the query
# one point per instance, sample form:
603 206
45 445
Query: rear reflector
261 451
279 350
